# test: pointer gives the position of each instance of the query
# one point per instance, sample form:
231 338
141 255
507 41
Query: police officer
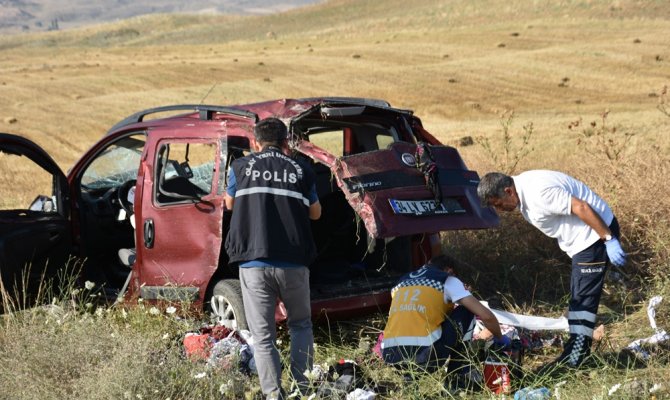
424 328
564 208
274 198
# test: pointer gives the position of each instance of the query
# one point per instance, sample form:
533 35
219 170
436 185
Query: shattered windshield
116 164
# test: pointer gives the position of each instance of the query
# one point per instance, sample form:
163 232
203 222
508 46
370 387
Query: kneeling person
425 327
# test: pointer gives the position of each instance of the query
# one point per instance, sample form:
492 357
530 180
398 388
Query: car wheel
226 304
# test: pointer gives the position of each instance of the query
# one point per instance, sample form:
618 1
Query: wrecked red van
386 185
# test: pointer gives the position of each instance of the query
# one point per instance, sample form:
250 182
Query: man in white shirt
566 209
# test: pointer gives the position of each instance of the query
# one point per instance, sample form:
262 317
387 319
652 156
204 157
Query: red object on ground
217 332
497 376
197 347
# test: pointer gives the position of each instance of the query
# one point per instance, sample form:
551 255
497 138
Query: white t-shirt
545 202
454 290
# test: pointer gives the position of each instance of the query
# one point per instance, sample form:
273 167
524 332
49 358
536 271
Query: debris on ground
637 389
634 390
343 379
221 347
659 336
529 393
361 394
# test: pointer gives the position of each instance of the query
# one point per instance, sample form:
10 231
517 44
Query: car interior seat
178 185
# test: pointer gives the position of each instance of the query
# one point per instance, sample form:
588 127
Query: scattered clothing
361 394
659 336
344 379
197 346
220 347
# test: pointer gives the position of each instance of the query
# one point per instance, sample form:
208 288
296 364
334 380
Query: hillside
457 64
41 15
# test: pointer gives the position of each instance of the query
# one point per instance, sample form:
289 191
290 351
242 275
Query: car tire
227 306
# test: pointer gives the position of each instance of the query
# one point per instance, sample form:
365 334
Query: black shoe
472 381
554 370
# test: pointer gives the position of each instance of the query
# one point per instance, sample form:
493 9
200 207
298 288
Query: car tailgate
389 192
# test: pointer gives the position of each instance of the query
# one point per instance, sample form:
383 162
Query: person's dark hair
270 131
493 185
443 262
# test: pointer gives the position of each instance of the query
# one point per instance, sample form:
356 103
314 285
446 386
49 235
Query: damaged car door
179 222
35 236
397 194
394 181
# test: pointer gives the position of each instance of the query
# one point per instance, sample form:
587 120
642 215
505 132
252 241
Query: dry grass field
461 65
456 63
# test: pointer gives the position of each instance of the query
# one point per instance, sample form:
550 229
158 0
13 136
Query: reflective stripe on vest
275 191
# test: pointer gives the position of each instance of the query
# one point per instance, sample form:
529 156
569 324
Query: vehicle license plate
425 207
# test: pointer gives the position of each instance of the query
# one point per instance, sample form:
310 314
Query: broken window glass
115 165
189 171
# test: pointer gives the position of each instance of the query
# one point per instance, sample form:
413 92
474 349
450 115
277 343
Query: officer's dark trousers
588 276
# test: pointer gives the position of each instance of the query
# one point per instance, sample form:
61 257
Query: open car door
35 239
389 190
397 184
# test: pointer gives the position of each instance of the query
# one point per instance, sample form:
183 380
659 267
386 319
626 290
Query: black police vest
271 209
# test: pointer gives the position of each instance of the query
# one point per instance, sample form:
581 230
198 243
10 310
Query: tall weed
29 288
604 139
57 352
508 154
514 261
635 185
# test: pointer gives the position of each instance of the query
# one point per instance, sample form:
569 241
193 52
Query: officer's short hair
270 131
493 185
443 262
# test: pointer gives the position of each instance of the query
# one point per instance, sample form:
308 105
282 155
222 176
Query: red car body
380 218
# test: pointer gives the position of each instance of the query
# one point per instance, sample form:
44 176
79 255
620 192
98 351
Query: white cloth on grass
529 322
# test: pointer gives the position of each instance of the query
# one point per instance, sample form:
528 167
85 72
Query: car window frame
220 153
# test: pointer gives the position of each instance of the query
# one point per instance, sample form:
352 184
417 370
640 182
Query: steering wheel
122 195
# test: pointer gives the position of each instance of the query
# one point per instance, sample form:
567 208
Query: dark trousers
261 287
449 347
589 267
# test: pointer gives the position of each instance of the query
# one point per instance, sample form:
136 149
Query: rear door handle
149 232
